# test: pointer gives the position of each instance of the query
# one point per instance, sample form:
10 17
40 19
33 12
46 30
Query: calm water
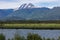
9 33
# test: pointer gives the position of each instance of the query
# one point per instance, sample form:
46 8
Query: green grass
35 25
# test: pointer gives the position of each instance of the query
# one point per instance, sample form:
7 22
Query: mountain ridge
31 13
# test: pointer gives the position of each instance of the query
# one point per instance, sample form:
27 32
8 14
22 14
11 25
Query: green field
32 25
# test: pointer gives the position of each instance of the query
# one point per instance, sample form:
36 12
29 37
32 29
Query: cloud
16 3
42 3
9 0
36 1
48 4
6 5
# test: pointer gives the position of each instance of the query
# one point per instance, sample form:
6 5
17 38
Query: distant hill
30 12
5 12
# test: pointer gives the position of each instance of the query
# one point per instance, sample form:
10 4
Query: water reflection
9 33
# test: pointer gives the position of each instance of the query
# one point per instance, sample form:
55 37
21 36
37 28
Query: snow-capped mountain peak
25 6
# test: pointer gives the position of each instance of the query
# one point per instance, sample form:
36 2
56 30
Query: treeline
29 37
30 21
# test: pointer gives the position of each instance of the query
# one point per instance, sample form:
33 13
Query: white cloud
42 3
11 4
6 5
9 0
36 1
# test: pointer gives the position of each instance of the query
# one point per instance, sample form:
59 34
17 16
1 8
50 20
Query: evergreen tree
18 37
2 37
48 39
58 38
33 37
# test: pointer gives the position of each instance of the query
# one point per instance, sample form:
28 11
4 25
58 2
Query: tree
33 37
53 39
44 38
2 37
48 39
58 38
8 39
18 37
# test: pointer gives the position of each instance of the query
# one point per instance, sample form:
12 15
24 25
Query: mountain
5 12
53 14
30 12
26 6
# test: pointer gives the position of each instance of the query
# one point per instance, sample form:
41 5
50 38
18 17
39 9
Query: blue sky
7 4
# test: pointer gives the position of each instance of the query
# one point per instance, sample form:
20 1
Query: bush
33 37
2 37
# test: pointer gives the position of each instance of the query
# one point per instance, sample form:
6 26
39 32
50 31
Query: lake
9 33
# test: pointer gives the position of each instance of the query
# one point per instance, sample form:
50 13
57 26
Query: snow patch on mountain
26 6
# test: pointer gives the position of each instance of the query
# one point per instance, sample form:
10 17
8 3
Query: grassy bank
32 25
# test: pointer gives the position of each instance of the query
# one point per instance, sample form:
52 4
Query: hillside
30 12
